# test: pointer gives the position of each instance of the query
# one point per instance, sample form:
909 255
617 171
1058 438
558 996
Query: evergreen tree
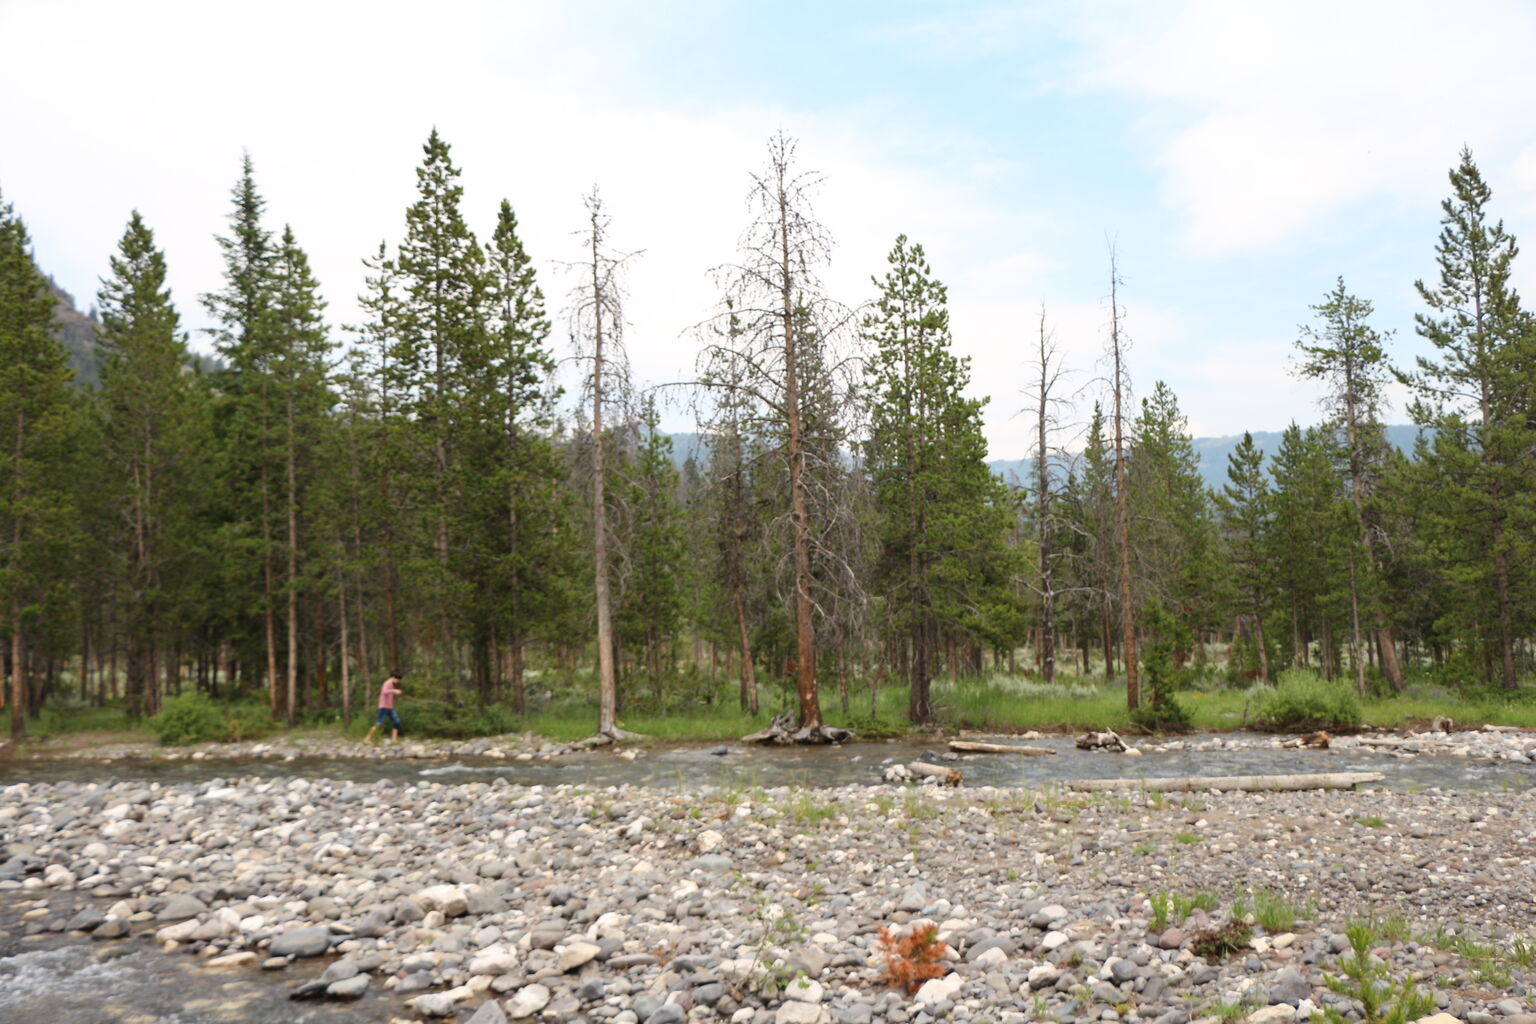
1348 354
440 370
156 431
656 557
35 422
247 418
1477 394
1244 505
1308 516
941 511
1172 536
532 572
300 368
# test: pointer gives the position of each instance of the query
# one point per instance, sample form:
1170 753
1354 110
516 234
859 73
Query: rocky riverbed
766 906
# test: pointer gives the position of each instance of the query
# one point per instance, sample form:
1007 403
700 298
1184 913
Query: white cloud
1267 119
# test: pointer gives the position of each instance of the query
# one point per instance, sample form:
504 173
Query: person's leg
394 721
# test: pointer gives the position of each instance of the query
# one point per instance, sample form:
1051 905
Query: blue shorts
388 716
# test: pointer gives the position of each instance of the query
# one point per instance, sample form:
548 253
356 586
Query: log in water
1244 783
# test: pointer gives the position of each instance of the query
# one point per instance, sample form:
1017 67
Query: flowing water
855 763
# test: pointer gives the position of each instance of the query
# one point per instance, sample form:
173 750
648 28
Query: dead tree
784 326
596 318
1118 343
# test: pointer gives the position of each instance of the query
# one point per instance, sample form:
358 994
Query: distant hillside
1212 452
80 334
77 332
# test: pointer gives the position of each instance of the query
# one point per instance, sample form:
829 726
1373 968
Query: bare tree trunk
608 689
1356 648
748 670
293 568
1043 484
800 515
1122 498
346 676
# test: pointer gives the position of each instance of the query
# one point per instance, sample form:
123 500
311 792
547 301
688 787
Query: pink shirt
387 694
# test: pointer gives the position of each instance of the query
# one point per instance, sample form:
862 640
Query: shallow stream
734 765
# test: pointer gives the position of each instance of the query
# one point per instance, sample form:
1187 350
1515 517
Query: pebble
620 905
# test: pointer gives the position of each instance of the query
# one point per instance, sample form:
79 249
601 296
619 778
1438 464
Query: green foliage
1273 913
190 718
1366 980
1303 700
1222 941
943 517
193 717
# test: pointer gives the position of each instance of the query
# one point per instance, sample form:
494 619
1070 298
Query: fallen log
782 731
1234 783
1106 740
975 747
922 770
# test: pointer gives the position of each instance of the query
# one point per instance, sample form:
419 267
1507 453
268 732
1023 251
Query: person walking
387 713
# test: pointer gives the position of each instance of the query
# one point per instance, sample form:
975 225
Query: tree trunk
1122 497
748 694
293 567
800 513
608 688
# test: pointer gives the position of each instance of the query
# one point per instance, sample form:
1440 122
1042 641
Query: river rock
181 907
489 1013
576 955
434 1004
527 1001
349 988
936 990
1288 986
312 941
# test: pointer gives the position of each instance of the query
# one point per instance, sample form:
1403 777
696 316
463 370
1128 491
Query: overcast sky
1241 156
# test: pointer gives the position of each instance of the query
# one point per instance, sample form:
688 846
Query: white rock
806 990
178 932
493 961
434 1004
796 1012
937 990
1054 941
710 841
1280 1013
993 957
575 955
529 1000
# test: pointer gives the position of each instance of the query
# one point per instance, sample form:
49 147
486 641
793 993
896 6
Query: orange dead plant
913 958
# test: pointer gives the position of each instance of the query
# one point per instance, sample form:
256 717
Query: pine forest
264 533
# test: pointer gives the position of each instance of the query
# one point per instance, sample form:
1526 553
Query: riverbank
765 905
1501 743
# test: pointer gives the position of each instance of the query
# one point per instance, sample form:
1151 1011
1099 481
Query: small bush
1219 943
912 959
1167 716
1303 701
195 718
189 718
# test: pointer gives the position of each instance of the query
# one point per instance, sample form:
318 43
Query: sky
1239 157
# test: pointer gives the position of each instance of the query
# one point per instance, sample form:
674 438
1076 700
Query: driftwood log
1106 740
923 770
1238 783
782 731
975 747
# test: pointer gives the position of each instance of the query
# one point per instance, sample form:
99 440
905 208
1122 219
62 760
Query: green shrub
189 718
1302 700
